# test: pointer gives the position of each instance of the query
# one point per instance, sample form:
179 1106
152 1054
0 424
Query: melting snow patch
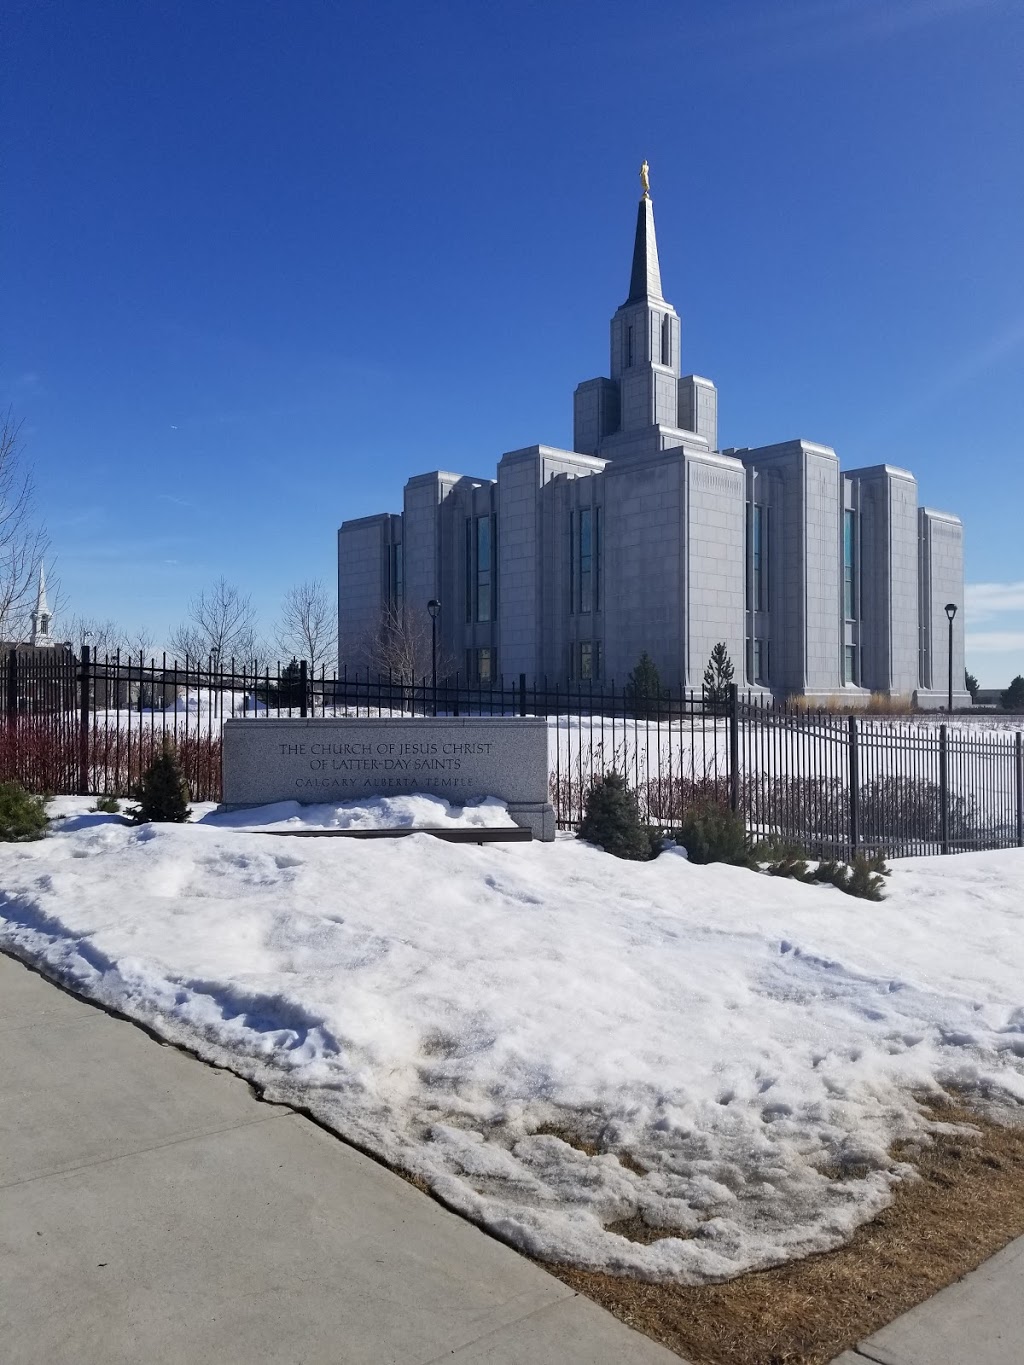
677 1071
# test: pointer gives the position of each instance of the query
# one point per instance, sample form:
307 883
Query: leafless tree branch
308 626
23 542
221 622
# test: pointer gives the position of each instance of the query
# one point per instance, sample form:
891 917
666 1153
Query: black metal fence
830 783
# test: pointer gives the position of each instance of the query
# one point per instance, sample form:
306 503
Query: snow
379 812
750 1047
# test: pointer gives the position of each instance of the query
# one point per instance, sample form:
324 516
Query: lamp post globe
950 613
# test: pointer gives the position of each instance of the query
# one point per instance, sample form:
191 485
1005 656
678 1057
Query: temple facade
647 537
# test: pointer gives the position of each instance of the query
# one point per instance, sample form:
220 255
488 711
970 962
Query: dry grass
968 1203
875 704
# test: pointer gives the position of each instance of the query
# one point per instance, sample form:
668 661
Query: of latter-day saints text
341 764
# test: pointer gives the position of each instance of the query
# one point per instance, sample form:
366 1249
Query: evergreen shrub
863 877
162 795
713 833
612 821
106 805
644 692
718 676
22 816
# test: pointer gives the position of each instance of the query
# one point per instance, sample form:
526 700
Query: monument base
462 759
538 817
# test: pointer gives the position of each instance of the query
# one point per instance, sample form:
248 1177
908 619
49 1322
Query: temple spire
645 280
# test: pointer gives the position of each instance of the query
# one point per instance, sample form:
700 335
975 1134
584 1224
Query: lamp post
433 606
950 613
214 667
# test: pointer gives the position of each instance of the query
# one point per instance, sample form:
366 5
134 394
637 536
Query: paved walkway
151 1210
977 1321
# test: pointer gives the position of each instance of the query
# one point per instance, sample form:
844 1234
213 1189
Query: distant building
646 536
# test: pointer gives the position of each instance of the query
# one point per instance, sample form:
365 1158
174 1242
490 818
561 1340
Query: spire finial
645 179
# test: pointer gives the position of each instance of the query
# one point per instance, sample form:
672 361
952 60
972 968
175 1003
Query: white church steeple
42 616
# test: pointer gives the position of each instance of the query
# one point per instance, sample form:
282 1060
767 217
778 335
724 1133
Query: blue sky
264 261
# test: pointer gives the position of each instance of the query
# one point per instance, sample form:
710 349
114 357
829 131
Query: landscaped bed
658 1071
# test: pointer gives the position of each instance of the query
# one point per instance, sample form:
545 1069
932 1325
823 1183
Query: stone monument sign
461 759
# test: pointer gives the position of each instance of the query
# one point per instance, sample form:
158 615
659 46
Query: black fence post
943 788
83 722
522 694
1018 757
12 684
854 785
734 747
304 689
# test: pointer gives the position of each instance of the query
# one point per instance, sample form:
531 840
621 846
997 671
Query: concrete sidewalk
977 1321
152 1210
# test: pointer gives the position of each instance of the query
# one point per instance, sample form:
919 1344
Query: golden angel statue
645 180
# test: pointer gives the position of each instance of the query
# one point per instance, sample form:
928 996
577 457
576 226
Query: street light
433 606
950 613
214 667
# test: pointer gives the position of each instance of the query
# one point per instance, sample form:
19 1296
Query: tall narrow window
586 560
485 665
850 664
494 566
585 661
760 661
850 566
598 571
666 341
757 514
469 568
629 347
572 563
484 568
397 577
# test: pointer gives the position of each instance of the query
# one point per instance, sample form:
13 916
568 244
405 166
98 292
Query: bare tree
402 647
308 627
23 542
104 638
138 643
221 624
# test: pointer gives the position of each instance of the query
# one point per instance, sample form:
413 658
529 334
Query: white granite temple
646 536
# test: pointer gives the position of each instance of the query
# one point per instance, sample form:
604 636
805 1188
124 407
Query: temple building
647 537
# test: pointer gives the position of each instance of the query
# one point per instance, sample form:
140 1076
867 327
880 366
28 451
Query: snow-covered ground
739 1051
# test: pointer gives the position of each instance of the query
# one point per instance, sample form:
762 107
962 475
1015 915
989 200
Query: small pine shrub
22 816
790 865
106 805
712 833
612 821
866 877
831 873
718 676
644 692
162 795
863 878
